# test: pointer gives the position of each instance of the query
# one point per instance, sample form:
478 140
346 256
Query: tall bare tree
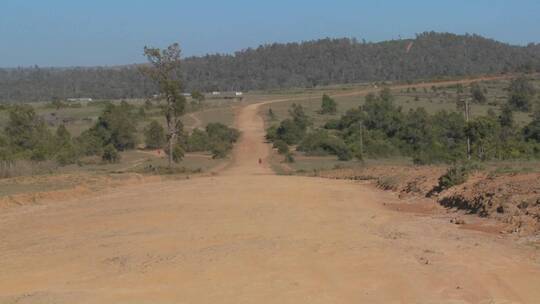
164 70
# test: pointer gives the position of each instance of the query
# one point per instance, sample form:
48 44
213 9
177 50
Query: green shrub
320 142
221 139
27 134
5 150
198 141
271 133
154 135
290 132
89 143
178 152
342 151
4 107
377 145
521 93
198 96
332 124
477 94
220 131
299 117
110 154
67 155
281 146
328 106
220 149
388 183
39 153
117 125
456 175
532 130
289 157
356 150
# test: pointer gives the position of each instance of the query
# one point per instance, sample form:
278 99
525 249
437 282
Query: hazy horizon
65 34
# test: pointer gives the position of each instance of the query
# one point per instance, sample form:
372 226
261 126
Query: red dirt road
248 236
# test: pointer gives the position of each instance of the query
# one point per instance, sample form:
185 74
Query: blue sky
109 32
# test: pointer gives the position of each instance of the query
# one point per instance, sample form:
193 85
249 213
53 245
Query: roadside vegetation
380 128
27 138
471 148
31 139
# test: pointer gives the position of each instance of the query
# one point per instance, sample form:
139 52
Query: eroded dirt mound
407 180
513 198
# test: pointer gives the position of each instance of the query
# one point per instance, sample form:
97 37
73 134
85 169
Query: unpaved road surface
248 236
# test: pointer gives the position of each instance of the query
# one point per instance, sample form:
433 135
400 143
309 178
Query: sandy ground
249 236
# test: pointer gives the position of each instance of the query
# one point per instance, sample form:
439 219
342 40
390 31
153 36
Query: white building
79 99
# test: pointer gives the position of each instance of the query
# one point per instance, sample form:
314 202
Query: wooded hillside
306 64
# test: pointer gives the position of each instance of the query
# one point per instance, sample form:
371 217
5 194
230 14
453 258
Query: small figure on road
260 161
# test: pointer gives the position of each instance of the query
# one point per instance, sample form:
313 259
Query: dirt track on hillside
249 236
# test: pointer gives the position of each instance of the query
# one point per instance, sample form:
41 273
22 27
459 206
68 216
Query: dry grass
443 98
10 169
34 179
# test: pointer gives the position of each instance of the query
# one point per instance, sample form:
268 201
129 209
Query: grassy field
96 175
78 119
313 164
309 164
222 109
442 98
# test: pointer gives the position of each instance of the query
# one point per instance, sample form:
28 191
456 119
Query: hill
305 64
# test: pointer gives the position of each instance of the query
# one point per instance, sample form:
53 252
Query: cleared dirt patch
511 198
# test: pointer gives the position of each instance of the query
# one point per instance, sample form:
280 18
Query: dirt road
197 123
248 236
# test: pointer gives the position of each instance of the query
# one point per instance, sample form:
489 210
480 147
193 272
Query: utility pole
463 104
467 120
362 139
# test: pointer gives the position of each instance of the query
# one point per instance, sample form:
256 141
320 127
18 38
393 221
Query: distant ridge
306 64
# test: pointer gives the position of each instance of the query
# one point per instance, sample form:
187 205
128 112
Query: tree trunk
170 130
362 139
170 151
